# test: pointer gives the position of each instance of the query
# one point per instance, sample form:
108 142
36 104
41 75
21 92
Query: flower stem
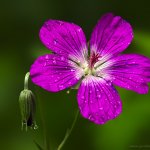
68 132
26 80
46 139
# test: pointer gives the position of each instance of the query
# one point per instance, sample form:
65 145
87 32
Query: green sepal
27 108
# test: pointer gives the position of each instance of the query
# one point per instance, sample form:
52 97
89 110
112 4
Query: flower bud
27 108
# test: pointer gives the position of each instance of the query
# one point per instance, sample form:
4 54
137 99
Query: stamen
94 57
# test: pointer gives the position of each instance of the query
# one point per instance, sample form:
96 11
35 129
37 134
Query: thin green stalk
69 131
26 80
46 138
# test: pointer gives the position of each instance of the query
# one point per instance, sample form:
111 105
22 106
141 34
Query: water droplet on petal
47 57
55 80
91 101
100 108
85 101
60 51
61 86
45 64
99 58
69 83
61 23
80 108
91 117
108 117
79 30
119 102
54 61
55 42
82 97
98 95
79 61
62 58
72 70
109 83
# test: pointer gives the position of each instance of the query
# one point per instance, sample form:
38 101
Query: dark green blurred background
20 21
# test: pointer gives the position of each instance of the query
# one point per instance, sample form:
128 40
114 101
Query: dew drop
128 87
55 80
48 44
109 83
80 108
85 101
119 102
113 78
55 42
45 64
54 58
47 57
91 117
68 92
108 117
91 101
61 23
35 127
72 70
61 86
82 97
54 61
69 83
79 61
100 108
79 30
62 58
60 51
98 95
77 77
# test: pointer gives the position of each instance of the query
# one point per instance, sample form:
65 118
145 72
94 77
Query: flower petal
55 73
111 35
131 71
64 38
98 100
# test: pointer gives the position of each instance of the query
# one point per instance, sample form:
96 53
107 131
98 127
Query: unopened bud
27 108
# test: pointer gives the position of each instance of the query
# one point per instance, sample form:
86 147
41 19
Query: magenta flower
96 70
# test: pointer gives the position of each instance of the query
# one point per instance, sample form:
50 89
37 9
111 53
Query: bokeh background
20 21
